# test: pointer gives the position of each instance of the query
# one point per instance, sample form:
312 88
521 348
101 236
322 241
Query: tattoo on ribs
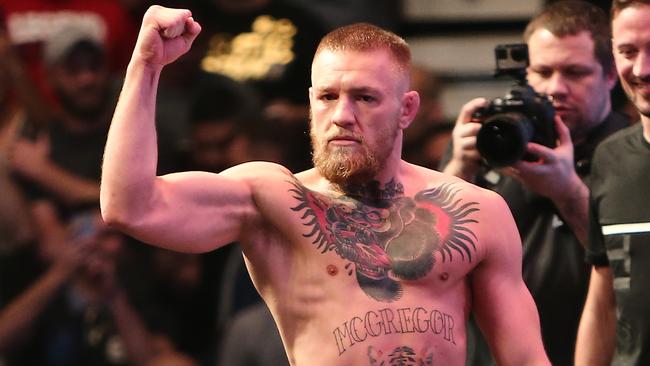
400 356
375 324
388 237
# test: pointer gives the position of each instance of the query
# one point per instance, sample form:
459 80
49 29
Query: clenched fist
165 35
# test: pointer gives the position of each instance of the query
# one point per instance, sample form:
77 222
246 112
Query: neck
374 190
582 133
80 125
389 174
384 184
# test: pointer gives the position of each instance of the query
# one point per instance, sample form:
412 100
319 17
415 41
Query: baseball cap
68 38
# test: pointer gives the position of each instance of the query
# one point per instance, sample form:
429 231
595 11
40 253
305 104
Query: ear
410 107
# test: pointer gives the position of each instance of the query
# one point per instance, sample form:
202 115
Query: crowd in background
75 292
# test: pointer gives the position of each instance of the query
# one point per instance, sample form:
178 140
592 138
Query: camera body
521 116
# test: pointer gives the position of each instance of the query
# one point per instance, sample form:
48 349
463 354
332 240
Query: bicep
503 306
195 211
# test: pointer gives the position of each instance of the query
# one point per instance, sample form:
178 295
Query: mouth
562 110
343 140
643 88
561 107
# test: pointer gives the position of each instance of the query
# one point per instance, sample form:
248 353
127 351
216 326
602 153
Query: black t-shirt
553 259
77 153
620 236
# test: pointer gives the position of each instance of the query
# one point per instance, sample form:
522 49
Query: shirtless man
363 260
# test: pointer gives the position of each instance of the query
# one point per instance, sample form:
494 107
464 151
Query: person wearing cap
60 161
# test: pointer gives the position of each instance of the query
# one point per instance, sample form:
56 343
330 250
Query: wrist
574 191
460 169
40 170
142 77
62 270
140 68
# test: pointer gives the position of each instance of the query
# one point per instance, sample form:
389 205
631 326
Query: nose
557 86
344 112
641 68
86 76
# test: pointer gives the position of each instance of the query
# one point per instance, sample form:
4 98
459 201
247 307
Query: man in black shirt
570 60
615 326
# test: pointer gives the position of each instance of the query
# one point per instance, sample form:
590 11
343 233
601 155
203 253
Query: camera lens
502 139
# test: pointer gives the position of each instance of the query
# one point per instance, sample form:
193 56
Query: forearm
34 103
18 317
595 344
39 111
137 339
597 331
461 170
130 157
573 206
70 188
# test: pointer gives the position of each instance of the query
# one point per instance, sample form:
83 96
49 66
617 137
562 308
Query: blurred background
73 292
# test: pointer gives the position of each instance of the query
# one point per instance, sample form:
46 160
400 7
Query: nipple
332 270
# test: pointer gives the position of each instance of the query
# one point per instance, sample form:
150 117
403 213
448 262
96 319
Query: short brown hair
366 37
618 5
568 18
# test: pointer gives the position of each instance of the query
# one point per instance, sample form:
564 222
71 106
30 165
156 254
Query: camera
519 117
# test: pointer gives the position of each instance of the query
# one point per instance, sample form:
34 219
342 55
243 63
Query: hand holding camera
465 161
509 123
518 134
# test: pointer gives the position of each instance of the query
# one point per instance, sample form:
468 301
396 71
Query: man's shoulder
262 177
435 179
621 139
258 168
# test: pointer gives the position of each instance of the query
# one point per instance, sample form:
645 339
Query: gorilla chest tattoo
385 236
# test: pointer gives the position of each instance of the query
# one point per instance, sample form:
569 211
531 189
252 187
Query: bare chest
387 246
360 280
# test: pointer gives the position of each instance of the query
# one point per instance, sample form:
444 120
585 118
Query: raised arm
465 159
597 332
190 211
555 177
503 307
31 160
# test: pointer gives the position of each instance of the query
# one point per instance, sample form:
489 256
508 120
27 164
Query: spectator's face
566 69
216 146
355 109
81 83
631 46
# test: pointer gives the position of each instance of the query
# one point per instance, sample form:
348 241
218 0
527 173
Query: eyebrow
626 44
364 90
564 67
354 90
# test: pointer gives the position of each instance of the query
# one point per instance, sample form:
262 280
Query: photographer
571 62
